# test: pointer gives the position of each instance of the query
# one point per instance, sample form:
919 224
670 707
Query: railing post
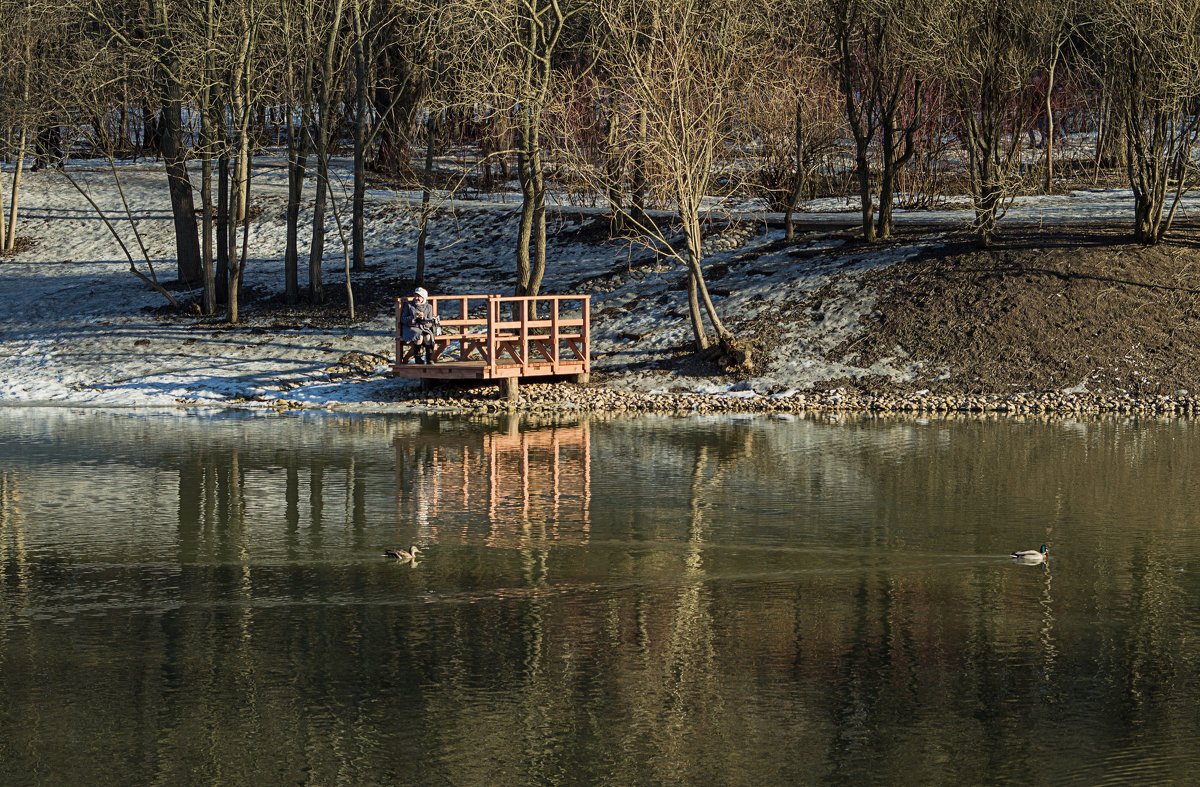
462 343
493 306
400 344
587 332
554 332
525 336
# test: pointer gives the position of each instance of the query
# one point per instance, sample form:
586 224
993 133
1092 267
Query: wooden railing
513 336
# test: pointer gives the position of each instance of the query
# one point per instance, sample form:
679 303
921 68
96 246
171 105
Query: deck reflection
518 480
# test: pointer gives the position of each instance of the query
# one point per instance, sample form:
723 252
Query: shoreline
561 398
583 399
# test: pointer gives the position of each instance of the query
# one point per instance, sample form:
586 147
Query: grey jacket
416 320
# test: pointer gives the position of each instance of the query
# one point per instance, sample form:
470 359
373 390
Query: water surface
193 599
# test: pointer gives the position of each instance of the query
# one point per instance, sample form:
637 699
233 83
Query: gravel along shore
558 398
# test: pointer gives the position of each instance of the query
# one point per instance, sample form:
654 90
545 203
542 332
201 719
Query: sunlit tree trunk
241 110
174 152
325 111
207 146
14 204
297 146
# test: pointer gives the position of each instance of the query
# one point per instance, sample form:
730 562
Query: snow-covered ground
76 326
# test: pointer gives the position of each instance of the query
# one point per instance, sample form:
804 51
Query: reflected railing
521 478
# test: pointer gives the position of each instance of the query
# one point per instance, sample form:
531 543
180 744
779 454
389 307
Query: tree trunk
241 110
614 169
898 148
149 141
174 151
699 300
3 222
207 145
700 337
14 203
9 243
297 153
525 228
887 184
209 299
187 241
358 203
538 176
426 190
1111 143
221 278
797 189
316 251
1049 142
863 169
238 217
297 161
325 111
638 182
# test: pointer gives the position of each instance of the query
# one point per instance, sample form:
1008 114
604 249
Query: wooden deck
493 337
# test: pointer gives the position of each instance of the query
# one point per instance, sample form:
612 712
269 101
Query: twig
132 266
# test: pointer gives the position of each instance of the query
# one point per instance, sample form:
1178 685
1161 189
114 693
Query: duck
1030 555
402 555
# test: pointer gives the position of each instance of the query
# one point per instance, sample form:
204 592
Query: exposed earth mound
1058 308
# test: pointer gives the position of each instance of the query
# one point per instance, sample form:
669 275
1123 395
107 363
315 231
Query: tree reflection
634 601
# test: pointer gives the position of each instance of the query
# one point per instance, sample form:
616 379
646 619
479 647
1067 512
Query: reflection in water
1047 630
530 481
626 601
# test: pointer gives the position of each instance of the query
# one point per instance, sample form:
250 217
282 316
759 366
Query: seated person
417 324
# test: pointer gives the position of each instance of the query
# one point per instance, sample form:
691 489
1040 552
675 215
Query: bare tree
171 142
160 36
687 67
516 62
210 120
17 101
795 112
990 59
297 95
881 60
362 61
1055 29
241 93
1153 67
326 110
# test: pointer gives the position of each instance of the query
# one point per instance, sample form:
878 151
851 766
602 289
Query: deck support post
509 388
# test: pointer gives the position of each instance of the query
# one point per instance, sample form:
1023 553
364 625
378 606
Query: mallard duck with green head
1030 555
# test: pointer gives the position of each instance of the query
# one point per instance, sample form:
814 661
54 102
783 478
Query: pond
204 599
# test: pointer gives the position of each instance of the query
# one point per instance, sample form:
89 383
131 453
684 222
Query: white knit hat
421 291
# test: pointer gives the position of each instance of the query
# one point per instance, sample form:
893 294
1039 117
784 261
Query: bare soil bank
1071 307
